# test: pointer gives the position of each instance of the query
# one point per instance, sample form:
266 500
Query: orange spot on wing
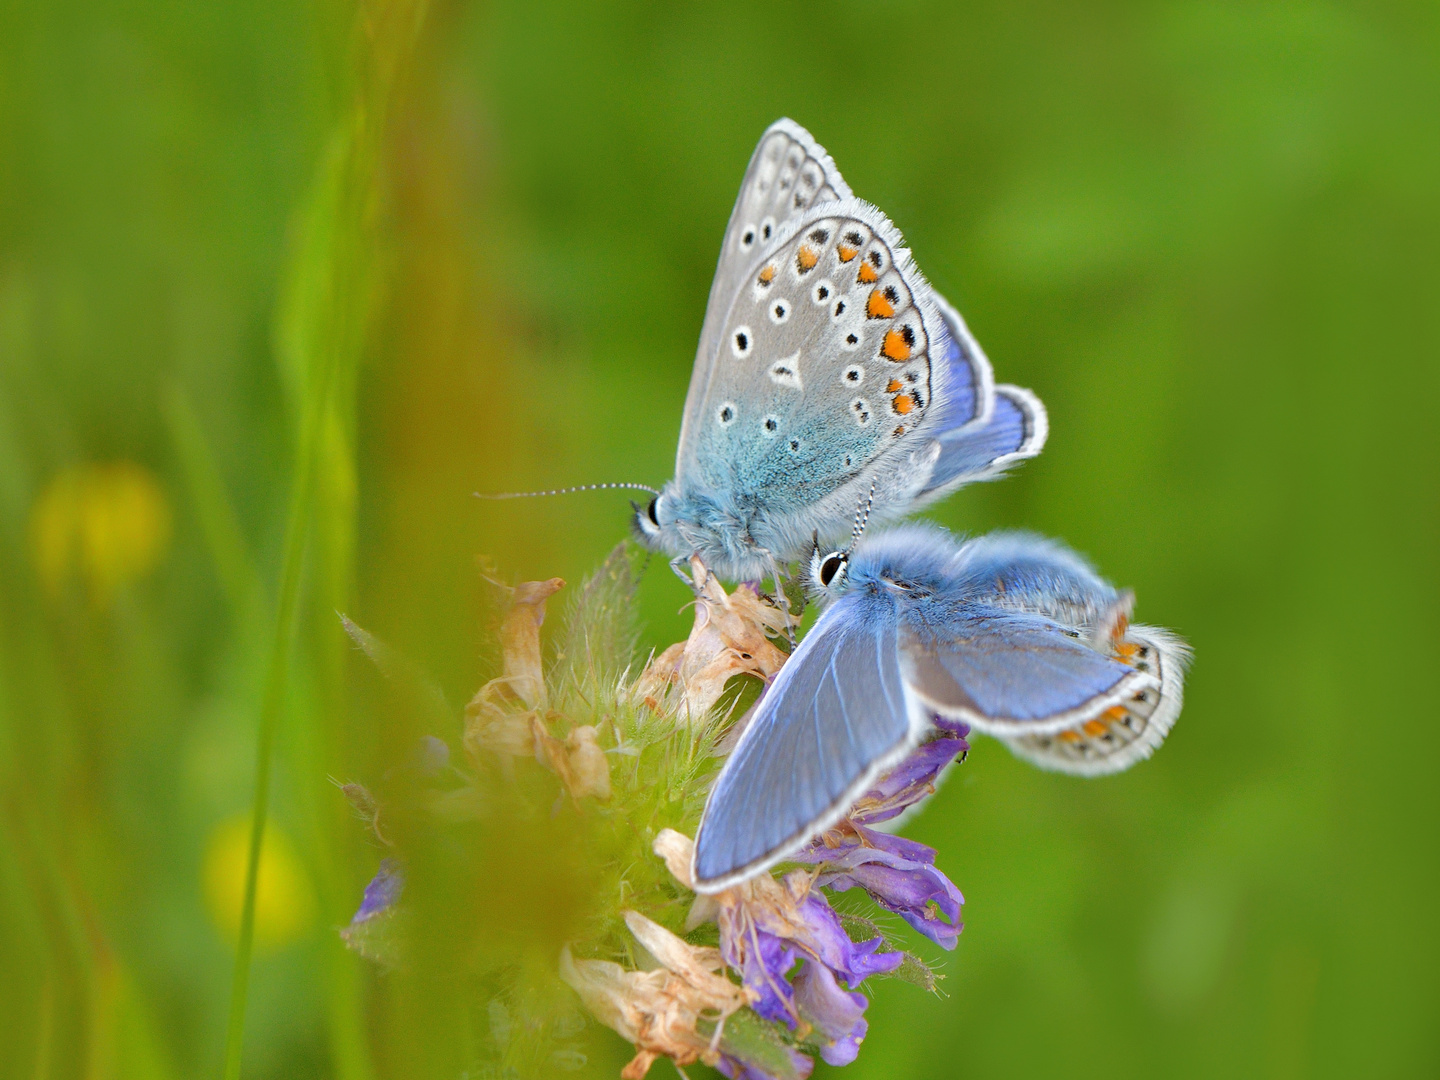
767 275
846 252
879 305
903 404
893 385
1126 650
1094 728
1071 736
806 258
1115 712
867 275
895 347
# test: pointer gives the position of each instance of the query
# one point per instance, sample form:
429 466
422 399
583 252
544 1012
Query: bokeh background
434 249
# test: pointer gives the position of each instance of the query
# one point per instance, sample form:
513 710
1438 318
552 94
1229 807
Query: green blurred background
436 249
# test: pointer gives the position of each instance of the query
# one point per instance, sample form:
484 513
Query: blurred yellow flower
108 524
284 902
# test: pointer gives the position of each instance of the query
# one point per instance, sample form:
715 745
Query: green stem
297 530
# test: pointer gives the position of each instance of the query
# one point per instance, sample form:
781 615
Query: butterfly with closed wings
829 375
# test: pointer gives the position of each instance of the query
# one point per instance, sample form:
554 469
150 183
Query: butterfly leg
678 565
784 604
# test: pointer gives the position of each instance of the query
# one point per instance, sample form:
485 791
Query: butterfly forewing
824 360
788 174
836 715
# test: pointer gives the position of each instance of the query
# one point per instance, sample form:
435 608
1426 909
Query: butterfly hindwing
824 362
1009 673
1125 733
835 717
1034 644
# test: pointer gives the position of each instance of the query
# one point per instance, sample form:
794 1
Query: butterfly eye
650 511
834 563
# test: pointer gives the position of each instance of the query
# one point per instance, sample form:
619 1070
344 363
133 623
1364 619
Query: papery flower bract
766 925
730 636
662 1011
589 768
578 760
520 638
899 874
492 723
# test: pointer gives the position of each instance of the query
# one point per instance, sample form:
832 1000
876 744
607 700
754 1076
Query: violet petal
837 1015
832 946
909 782
733 1067
382 892
918 892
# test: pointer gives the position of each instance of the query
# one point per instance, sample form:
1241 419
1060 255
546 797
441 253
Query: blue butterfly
828 369
1010 633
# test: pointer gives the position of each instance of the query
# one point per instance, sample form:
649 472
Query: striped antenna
564 491
862 518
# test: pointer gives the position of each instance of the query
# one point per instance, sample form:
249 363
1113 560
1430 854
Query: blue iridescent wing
1011 673
1036 648
1024 572
984 429
1125 733
965 388
836 716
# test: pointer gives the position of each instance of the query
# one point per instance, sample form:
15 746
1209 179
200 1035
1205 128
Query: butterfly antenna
564 491
862 517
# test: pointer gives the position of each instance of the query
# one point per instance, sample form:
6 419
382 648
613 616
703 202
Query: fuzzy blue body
1011 633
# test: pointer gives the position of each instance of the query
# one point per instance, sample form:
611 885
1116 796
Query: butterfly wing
968 390
982 429
1010 673
788 173
1125 733
1040 653
824 367
835 718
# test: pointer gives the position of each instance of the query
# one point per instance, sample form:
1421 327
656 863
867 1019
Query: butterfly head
828 573
647 521
680 523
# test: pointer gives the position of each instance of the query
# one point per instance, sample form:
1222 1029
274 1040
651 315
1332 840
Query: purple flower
382 892
371 932
764 931
836 1015
914 778
899 874
801 1064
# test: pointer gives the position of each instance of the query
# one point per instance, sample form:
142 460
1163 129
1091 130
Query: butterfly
1010 633
829 375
